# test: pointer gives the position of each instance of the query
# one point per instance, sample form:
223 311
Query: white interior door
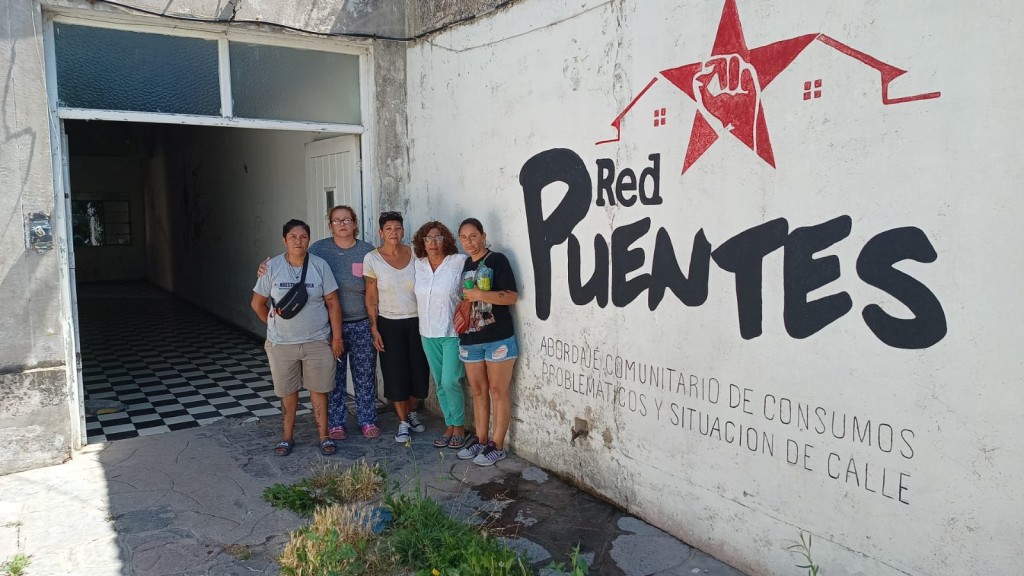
332 178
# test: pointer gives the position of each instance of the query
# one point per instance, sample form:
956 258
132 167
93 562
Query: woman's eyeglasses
434 239
346 221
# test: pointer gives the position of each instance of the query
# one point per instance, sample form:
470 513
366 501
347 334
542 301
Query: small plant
328 486
421 538
803 548
339 541
19 562
577 563
424 537
15 566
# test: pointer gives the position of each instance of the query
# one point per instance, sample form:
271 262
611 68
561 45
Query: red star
727 87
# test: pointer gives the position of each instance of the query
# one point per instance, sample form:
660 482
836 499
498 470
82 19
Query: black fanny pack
292 302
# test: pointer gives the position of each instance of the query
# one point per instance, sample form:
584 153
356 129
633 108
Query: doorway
168 225
186 200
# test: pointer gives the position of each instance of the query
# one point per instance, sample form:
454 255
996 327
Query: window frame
223 34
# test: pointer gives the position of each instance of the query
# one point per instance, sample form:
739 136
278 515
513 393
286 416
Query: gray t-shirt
312 323
347 265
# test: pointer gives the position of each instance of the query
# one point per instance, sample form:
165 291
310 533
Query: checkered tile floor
173 365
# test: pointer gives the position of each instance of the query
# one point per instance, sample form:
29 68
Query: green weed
424 538
15 566
328 486
338 542
577 564
803 548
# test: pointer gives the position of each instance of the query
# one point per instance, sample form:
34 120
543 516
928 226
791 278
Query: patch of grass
15 566
803 548
421 538
424 538
329 486
338 542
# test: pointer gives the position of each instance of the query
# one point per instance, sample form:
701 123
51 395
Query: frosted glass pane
290 84
108 69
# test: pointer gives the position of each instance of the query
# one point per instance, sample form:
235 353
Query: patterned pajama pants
362 357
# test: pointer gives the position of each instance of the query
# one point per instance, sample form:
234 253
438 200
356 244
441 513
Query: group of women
396 302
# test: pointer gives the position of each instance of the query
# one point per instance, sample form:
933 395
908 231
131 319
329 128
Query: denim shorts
499 351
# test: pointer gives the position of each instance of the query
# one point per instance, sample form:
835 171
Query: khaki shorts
309 365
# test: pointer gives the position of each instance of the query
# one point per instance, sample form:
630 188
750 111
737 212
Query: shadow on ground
190 503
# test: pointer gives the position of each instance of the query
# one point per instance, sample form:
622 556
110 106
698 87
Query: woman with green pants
438 291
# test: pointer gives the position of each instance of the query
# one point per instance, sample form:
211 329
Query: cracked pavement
190 503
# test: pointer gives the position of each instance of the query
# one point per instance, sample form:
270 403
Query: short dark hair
390 216
292 224
419 245
474 223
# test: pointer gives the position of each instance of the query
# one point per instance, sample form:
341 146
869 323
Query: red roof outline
888 73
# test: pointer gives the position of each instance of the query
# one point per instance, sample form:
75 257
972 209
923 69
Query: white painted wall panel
486 98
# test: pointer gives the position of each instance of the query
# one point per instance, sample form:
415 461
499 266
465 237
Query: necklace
296 271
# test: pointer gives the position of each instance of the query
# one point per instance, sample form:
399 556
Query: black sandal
284 447
328 447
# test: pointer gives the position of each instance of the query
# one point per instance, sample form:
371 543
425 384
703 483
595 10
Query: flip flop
284 447
338 433
457 442
442 441
328 447
371 431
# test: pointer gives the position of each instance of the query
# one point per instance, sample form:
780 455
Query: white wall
943 172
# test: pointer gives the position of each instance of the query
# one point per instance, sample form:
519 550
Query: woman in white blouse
438 291
390 274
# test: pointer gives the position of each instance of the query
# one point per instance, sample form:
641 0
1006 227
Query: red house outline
771 60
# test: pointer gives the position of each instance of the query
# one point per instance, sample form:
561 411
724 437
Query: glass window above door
293 84
106 69
100 69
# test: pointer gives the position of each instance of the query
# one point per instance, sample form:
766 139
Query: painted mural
756 243
727 88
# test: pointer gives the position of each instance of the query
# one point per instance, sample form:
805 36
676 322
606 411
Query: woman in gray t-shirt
302 347
344 252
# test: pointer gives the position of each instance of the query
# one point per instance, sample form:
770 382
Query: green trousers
448 372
